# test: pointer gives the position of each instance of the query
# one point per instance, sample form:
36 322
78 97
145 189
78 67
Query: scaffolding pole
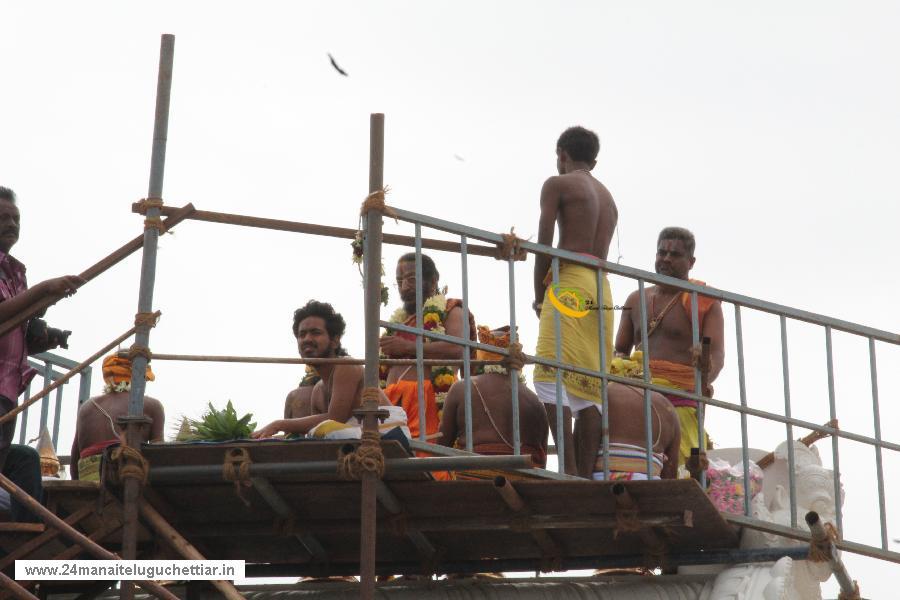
140 350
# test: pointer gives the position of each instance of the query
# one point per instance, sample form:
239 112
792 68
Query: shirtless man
586 215
492 431
402 382
319 332
96 427
628 437
669 329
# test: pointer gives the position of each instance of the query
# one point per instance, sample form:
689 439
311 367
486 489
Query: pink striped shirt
15 374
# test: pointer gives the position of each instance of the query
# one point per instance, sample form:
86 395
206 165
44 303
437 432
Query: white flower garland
122 386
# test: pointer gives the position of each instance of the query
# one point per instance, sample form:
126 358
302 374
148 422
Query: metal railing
43 363
738 301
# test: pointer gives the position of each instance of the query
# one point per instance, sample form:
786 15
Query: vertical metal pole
84 386
420 339
372 269
23 424
145 298
56 414
742 384
698 382
513 373
45 400
835 458
560 417
604 382
467 367
785 369
879 467
645 347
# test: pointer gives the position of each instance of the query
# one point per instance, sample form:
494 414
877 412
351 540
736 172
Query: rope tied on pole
516 358
626 521
853 595
375 201
154 223
135 350
129 464
236 468
367 458
511 247
144 321
820 547
145 204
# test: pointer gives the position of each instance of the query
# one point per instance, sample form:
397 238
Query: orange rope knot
154 223
236 466
371 393
511 247
516 359
130 464
820 549
695 356
375 201
626 521
134 351
146 320
144 204
367 458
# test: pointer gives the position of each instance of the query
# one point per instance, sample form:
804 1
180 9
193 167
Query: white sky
768 129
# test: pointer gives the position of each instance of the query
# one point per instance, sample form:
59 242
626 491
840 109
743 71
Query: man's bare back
93 426
587 214
627 423
495 390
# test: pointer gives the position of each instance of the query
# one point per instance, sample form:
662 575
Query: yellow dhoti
580 337
680 377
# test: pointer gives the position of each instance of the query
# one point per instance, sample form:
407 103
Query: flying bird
459 158
336 67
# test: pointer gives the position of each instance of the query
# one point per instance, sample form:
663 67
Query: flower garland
499 370
358 254
434 312
122 386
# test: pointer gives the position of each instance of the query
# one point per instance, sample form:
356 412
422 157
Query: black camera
39 337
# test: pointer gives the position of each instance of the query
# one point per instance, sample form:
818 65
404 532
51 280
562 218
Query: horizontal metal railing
739 301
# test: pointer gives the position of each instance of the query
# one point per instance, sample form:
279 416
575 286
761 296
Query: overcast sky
768 128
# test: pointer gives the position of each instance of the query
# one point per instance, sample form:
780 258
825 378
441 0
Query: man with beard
669 332
19 463
319 330
586 214
440 315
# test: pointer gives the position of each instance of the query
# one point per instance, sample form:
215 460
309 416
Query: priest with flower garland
492 429
440 315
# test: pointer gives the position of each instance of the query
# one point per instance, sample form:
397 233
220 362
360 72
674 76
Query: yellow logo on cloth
569 301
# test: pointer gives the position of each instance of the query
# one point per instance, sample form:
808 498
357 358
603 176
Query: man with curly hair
319 329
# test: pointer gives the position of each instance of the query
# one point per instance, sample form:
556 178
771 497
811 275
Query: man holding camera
16 462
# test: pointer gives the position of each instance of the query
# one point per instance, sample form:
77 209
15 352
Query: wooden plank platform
314 527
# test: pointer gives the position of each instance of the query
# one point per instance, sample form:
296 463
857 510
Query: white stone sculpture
798 579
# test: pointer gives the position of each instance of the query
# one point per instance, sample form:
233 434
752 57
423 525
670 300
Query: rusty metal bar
391 503
281 508
74 535
821 539
17 591
183 547
324 230
372 299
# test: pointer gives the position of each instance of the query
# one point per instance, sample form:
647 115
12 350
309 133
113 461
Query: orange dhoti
538 459
405 393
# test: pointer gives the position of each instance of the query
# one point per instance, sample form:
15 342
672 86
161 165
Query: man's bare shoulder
293 394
